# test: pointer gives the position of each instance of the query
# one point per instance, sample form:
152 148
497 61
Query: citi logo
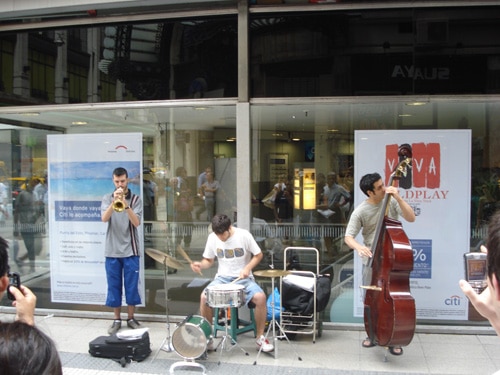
453 301
425 171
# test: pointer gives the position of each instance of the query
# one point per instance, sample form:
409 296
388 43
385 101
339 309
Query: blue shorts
122 272
251 287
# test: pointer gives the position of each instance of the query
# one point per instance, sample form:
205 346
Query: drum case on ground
137 349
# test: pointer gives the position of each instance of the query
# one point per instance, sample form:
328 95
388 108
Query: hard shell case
113 347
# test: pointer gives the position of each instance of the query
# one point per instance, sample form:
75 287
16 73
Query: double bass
389 308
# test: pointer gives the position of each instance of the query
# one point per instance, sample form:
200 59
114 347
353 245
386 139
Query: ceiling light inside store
415 103
231 139
405 115
30 114
79 123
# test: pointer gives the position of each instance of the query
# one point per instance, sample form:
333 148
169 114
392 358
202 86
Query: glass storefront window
299 145
179 143
315 137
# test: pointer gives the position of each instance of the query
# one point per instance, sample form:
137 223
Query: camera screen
476 269
14 280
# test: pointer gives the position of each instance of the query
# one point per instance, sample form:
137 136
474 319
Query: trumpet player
122 210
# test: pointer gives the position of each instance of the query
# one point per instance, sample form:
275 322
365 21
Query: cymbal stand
273 324
227 339
166 345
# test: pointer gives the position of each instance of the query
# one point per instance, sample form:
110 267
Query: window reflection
172 59
306 56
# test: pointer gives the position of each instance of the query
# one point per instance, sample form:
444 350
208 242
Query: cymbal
271 273
163 258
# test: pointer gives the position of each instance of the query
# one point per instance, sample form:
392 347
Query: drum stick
232 282
183 253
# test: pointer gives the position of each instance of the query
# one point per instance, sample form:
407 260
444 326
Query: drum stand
227 339
187 363
272 324
166 345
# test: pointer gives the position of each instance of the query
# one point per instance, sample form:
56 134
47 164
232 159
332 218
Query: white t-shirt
233 254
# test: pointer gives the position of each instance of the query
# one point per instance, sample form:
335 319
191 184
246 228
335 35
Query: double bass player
365 218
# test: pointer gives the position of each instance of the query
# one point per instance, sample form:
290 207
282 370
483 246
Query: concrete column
243 176
243 51
93 49
243 135
61 74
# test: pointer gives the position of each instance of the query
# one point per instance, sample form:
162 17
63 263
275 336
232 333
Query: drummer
237 254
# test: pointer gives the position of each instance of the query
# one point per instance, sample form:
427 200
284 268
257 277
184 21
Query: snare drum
225 295
190 339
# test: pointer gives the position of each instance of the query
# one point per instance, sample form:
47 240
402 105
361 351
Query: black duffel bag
300 301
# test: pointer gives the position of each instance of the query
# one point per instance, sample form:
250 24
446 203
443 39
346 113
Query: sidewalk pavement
454 350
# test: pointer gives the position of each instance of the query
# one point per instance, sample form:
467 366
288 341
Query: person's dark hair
367 181
25 350
120 171
4 257
220 223
493 246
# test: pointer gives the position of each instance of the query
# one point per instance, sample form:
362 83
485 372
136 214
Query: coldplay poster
437 187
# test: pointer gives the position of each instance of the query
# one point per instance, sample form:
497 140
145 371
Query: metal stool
236 325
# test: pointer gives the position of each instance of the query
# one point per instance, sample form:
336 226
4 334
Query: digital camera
476 270
14 280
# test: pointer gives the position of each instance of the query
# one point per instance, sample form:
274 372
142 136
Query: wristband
127 207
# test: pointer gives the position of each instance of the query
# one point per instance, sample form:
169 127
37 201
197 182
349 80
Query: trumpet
118 204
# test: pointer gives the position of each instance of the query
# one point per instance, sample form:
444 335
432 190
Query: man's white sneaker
210 345
264 343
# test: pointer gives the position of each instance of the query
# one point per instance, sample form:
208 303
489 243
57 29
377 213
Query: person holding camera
23 347
24 300
487 303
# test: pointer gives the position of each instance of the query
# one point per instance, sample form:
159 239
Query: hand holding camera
476 270
24 300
